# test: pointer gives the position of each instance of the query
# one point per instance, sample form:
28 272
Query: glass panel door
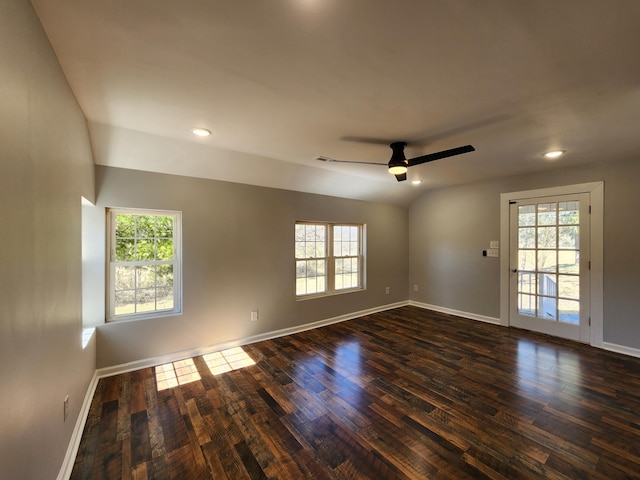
549 265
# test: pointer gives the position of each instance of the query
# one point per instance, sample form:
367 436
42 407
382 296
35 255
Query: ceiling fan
398 163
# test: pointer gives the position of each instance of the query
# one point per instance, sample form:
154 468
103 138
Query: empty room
319 239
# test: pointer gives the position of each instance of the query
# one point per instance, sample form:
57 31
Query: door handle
514 270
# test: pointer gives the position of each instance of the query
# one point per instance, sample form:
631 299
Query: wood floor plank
402 394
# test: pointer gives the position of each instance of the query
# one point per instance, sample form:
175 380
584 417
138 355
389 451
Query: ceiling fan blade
439 155
401 177
333 160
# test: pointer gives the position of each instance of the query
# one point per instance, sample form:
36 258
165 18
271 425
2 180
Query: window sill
149 316
313 296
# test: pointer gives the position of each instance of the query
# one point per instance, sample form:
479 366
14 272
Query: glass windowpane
164 275
569 311
527 282
124 278
164 298
547 237
547 213
568 261
527 237
526 215
569 237
569 286
547 285
145 226
124 249
547 261
145 299
125 302
125 226
145 277
527 260
526 304
164 249
568 213
547 308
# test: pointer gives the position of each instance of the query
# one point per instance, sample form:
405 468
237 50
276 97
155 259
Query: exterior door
549 265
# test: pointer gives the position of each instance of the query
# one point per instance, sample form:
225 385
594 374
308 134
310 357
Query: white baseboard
459 313
194 352
613 347
78 429
76 437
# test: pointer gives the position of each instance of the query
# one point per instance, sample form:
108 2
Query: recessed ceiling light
201 132
416 182
554 153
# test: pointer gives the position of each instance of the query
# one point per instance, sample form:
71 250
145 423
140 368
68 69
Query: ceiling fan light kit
398 163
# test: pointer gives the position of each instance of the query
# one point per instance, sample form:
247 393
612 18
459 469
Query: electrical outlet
66 407
387 290
494 244
254 315
415 288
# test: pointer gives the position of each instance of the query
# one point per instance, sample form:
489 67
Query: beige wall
449 228
238 256
45 167
238 244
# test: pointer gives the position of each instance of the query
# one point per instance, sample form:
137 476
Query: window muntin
144 268
329 258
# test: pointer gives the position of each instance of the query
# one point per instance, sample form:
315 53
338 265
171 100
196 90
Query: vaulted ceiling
280 82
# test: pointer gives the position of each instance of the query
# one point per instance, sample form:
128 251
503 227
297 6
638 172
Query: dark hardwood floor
407 394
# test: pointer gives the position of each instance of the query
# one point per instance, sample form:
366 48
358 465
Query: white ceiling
279 82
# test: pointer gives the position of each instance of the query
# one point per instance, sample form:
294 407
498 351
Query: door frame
596 234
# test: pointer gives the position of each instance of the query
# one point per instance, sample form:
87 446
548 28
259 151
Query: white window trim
330 261
110 265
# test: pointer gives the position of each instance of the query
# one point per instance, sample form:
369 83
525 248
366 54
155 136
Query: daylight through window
329 258
144 273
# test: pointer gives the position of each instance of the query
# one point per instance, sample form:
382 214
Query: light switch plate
492 252
494 244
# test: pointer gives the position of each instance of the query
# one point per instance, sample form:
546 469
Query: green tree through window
144 270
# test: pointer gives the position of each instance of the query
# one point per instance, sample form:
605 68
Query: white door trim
596 191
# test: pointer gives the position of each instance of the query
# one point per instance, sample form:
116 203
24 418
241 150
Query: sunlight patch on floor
172 374
227 360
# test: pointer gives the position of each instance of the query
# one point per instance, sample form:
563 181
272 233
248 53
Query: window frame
111 214
330 258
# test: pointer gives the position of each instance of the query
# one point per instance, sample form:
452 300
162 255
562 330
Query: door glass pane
547 237
527 282
527 260
526 215
526 304
568 213
568 261
569 311
547 285
547 261
569 237
547 308
547 280
569 286
527 237
547 214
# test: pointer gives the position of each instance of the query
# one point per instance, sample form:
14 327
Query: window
329 258
144 264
